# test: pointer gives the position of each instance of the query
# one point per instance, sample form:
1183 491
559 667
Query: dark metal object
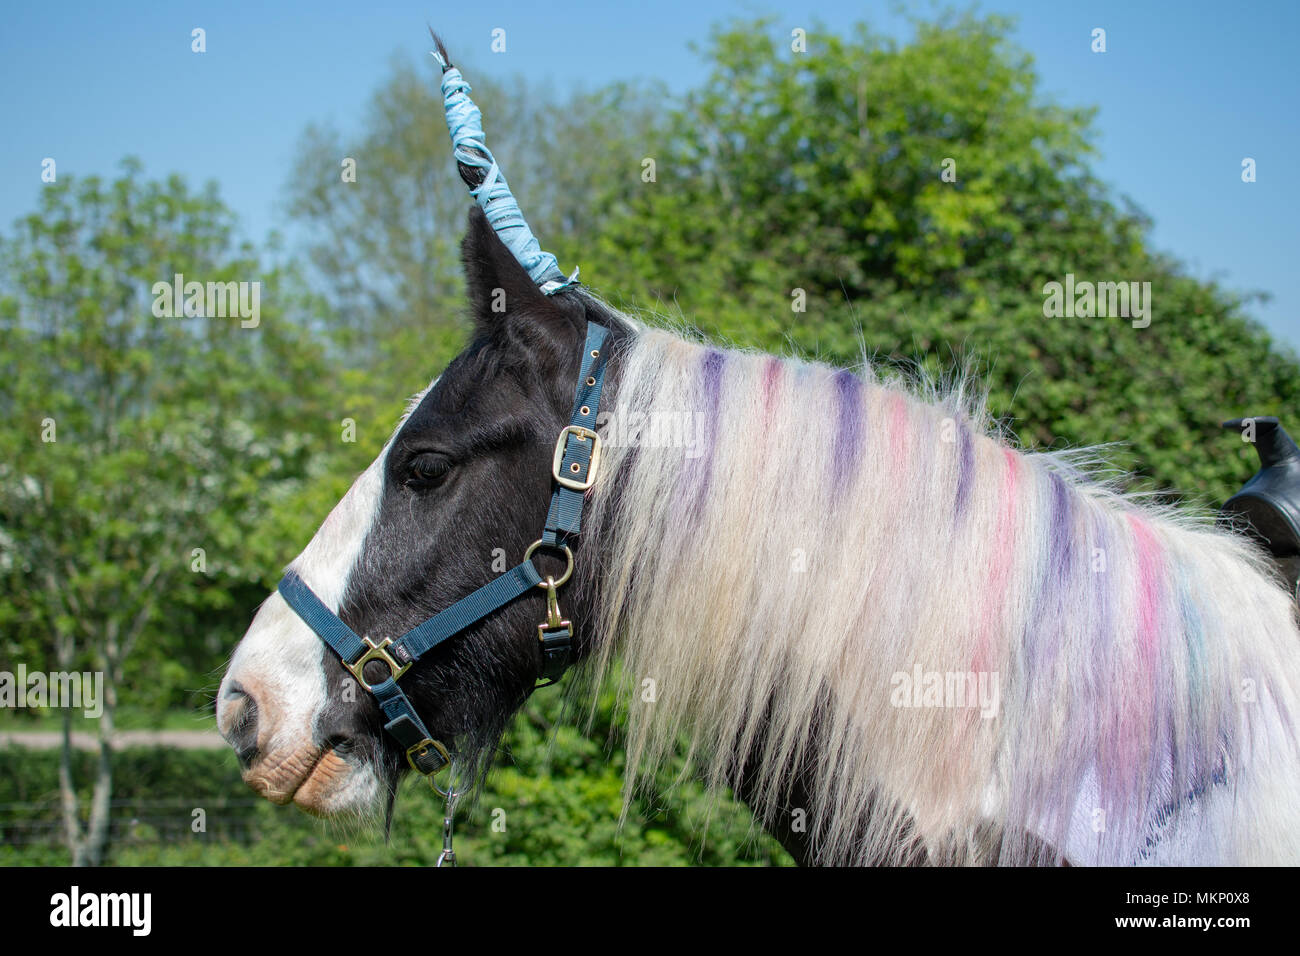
1268 506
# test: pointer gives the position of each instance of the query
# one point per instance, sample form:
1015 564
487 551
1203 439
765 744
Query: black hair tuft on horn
472 176
442 50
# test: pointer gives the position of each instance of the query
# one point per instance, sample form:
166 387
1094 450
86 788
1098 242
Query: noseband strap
573 468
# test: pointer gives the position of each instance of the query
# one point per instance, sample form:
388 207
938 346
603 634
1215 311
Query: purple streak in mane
714 359
1056 580
1063 553
1193 770
965 468
848 430
1042 639
699 471
1106 733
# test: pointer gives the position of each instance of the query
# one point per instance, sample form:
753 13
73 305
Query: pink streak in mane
996 592
900 438
771 376
1148 599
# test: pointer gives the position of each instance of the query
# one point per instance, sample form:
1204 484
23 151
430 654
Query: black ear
498 285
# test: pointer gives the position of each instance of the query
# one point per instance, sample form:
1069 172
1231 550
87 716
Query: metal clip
553 622
448 855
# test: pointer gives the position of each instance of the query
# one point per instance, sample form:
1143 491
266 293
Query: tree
139 449
824 172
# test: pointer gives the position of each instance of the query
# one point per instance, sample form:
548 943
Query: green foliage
822 172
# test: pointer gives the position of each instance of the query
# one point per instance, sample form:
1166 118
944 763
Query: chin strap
574 465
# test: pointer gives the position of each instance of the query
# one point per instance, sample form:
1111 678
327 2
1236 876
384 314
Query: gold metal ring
451 793
568 555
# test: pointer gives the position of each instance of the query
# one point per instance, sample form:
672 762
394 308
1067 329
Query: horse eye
428 469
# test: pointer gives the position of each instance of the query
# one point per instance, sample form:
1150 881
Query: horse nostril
341 744
242 735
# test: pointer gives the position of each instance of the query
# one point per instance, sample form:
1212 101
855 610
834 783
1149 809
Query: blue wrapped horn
479 169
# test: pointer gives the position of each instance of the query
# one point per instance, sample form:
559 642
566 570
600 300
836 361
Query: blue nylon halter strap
574 467
564 518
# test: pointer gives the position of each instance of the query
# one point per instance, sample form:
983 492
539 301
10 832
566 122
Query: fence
137 822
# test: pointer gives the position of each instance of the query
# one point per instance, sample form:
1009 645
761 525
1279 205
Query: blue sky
1186 90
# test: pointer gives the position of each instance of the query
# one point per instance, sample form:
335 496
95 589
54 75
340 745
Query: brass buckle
377 652
561 445
420 749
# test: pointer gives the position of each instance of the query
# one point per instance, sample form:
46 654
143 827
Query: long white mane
971 650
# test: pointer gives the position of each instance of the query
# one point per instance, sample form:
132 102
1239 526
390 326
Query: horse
843 593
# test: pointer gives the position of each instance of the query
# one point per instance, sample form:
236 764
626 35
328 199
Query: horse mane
777 586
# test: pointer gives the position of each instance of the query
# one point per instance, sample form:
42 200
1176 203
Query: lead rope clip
448 855
554 620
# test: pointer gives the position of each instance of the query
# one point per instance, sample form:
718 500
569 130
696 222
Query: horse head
455 497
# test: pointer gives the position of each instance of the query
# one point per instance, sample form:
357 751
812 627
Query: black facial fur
466 487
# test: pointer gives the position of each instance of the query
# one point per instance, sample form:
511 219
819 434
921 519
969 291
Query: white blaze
280 660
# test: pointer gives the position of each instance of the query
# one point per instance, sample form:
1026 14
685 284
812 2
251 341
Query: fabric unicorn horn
486 183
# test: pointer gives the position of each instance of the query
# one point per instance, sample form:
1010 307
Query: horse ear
497 284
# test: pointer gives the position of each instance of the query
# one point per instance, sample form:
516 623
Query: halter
573 468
